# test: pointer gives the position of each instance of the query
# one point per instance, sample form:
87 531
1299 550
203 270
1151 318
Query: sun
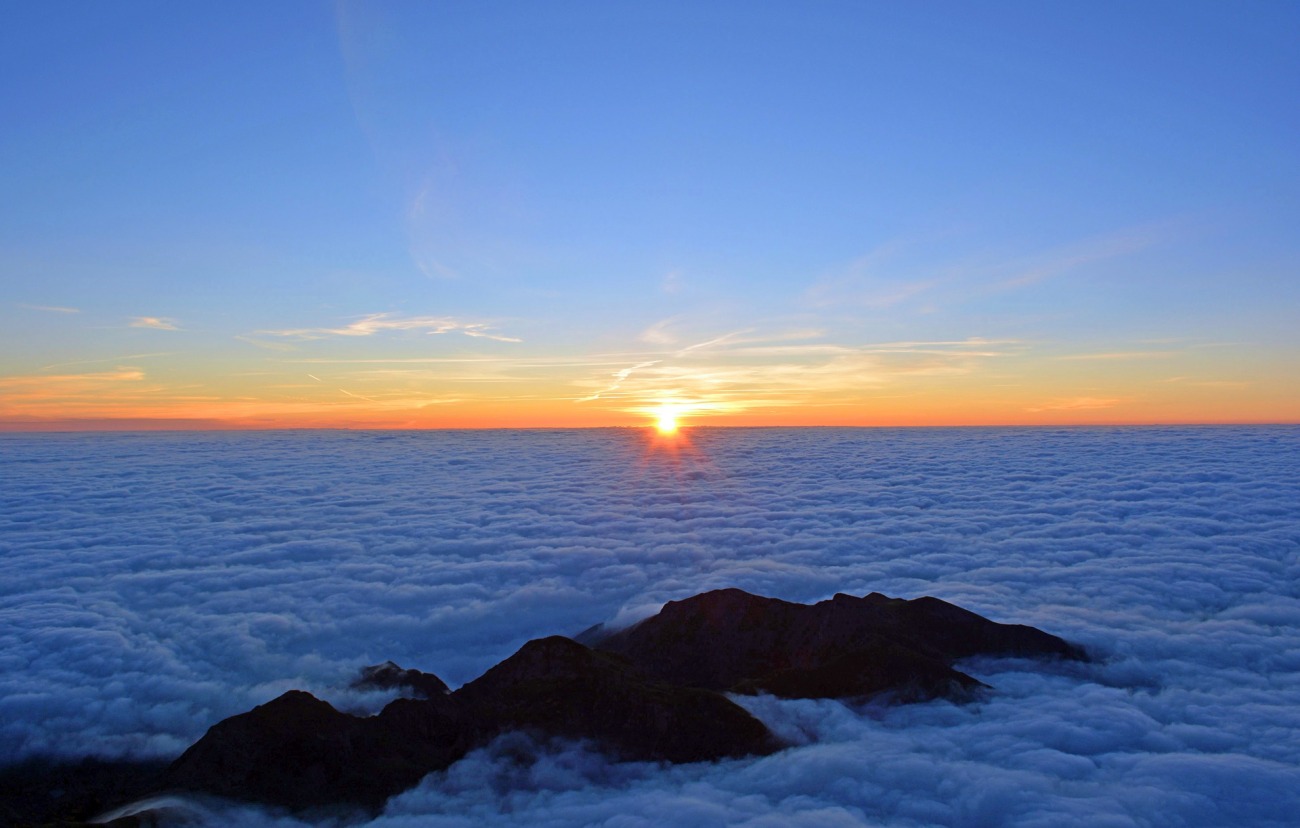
667 417
667 424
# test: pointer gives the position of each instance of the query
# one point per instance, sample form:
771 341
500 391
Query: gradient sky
553 214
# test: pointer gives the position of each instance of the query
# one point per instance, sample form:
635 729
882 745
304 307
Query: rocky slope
300 753
843 647
652 691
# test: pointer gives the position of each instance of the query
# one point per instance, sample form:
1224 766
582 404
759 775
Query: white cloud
482 332
51 308
157 323
745 369
658 333
618 378
152 584
381 322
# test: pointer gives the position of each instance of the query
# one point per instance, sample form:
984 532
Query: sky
424 215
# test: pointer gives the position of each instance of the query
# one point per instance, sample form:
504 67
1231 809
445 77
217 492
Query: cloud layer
153 584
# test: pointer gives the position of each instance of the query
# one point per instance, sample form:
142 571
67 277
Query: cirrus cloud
381 322
157 323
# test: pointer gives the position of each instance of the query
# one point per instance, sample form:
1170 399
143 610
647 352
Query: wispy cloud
741 369
157 323
476 378
1064 259
271 345
878 279
65 394
592 361
1077 404
116 359
744 370
860 291
376 323
357 396
1208 383
659 333
430 217
483 333
1120 356
672 282
64 380
712 343
620 376
907 273
50 308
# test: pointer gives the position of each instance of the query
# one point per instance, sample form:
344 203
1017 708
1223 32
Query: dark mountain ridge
652 691
843 647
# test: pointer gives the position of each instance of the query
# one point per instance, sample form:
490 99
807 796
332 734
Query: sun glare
667 417
667 424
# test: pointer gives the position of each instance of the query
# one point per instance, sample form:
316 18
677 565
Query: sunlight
667 417
667 424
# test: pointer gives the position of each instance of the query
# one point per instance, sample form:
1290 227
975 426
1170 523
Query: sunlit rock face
843 647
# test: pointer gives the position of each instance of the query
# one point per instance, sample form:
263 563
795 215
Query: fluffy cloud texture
153 584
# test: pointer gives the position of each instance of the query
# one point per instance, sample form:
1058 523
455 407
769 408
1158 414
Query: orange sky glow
129 399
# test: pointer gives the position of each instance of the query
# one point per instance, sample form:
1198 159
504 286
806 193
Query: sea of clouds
152 584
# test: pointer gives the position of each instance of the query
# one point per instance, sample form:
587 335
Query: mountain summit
653 691
844 647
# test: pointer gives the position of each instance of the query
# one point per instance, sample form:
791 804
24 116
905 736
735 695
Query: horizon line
181 427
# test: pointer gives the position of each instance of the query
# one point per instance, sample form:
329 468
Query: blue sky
1092 203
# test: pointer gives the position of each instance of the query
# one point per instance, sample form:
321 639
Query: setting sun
667 423
667 417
